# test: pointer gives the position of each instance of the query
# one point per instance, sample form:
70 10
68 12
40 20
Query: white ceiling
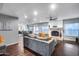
63 11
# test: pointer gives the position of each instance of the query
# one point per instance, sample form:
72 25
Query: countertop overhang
37 39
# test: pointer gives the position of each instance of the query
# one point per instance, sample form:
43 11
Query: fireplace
57 33
54 33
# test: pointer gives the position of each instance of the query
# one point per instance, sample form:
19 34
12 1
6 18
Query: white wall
70 38
58 23
11 37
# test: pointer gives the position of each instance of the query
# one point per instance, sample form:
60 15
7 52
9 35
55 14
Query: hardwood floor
67 49
62 49
12 50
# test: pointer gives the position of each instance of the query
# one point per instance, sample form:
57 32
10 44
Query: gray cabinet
40 47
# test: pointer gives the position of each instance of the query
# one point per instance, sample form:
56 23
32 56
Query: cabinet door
42 48
26 42
33 45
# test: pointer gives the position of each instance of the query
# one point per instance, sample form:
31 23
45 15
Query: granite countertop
45 41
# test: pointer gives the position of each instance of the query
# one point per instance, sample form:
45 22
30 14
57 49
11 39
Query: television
71 29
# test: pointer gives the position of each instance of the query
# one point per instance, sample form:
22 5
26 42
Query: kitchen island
41 47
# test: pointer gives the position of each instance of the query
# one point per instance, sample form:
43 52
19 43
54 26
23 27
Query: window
37 28
71 29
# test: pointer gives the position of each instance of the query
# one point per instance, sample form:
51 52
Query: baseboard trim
69 41
12 44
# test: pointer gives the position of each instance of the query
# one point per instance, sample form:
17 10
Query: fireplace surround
57 33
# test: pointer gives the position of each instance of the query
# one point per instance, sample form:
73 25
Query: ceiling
63 11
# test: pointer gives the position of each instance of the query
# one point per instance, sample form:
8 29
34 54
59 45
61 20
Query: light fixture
25 16
40 21
35 13
53 6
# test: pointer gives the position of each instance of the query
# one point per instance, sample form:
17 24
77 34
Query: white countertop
49 41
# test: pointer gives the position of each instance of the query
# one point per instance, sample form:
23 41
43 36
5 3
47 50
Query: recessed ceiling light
25 16
40 21
35 13
53 6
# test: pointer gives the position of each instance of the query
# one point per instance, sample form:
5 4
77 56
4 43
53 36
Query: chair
2 46
3 50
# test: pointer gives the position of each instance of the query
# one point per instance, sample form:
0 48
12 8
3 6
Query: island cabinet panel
40 47
52 46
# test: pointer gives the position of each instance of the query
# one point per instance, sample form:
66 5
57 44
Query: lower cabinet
39 47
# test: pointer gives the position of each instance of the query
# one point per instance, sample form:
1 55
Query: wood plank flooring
67 49
62 49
